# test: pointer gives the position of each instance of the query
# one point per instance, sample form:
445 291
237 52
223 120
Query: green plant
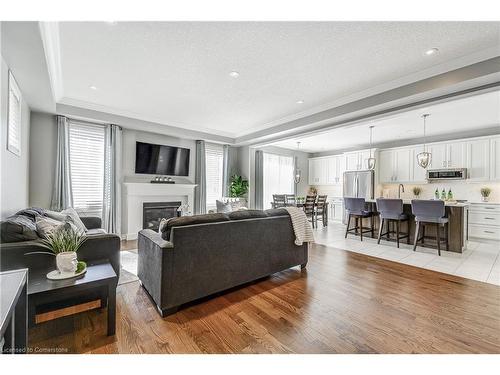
238 186
485 192
64 239
416 191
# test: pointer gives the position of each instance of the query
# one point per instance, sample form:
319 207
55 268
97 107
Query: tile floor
481 261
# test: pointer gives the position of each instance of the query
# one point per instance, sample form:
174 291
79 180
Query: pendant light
371 160
297 174
424 157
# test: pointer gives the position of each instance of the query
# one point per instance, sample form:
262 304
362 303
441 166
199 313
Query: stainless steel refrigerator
358 184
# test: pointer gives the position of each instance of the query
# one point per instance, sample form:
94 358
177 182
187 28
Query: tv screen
164 160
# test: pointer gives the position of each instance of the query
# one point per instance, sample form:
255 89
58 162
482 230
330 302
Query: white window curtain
214 158
111 216
86 149
278 176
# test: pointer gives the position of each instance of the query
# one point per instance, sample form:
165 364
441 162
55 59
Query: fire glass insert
153 212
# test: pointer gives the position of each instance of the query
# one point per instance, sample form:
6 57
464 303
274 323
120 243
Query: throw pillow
17 228
32 212
224 207
46 226
75 219
56 215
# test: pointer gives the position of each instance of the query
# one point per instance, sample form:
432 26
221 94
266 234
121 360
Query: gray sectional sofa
197 256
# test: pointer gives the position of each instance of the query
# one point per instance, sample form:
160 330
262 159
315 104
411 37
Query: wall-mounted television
163 160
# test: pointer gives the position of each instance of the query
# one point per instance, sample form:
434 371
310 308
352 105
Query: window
278 176
86 149
214 164
14 117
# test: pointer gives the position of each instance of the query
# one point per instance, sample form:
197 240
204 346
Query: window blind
214 157
14 117
278 176
87 167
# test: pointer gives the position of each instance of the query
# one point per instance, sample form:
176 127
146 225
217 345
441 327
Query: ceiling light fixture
424 157
93 87
371 160
234 74
431 51
297 173
300 101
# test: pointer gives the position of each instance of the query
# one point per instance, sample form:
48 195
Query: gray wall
14 169
43 142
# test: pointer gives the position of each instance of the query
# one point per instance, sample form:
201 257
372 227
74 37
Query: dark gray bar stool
356 207
430 212
391 211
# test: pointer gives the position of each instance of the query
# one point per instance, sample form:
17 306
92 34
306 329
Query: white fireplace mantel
137 193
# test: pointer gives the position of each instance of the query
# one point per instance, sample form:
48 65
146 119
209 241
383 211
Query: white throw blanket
301 226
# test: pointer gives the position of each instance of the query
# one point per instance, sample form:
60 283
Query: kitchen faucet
401 188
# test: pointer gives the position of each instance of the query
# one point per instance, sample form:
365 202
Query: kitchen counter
408 201
457 224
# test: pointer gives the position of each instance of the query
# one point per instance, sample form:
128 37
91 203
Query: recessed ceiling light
234 74
93 87
300 101
431 51
111 22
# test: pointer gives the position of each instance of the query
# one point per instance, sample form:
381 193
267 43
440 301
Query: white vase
66 262
485 199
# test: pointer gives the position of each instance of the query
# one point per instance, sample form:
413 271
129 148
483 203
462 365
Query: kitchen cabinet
395 165
335 170
336 209
478 160
326 170
356 161
484 221
402 166
447 155
386 166
495 159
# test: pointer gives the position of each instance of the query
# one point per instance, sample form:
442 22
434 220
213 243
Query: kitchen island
457 225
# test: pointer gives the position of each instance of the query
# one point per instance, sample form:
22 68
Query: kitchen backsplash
460 189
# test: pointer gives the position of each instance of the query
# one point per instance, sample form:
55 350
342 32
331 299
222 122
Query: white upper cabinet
335 170
438 156
495 158
386 166
456 155
352 162
326 170
419 174
478 160
363 158
402 166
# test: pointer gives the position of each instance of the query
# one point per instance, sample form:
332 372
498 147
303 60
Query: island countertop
408 201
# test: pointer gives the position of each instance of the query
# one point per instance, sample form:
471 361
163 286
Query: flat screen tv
159 159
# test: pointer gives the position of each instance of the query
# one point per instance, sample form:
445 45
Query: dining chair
309 209
290 200
322 209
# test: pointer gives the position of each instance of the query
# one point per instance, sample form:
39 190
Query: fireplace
153 212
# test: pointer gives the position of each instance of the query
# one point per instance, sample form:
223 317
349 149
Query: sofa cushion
190 220
94 231
46 225
276 212
17 228
246 214
73 216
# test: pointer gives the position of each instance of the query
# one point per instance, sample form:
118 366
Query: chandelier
424 157
371 160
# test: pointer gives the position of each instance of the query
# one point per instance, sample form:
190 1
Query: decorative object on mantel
416 191
238 187
485 194
371 160
424 157
297 174
163 180
63 243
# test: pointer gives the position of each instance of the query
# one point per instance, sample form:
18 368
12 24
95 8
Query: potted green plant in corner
416 191
63 243
238 188
485 194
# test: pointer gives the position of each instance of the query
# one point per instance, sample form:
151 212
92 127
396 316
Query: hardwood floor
344 303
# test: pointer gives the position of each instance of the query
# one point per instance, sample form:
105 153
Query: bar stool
391 210
430 212
356 207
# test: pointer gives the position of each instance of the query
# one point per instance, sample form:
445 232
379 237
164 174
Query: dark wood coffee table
46 295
